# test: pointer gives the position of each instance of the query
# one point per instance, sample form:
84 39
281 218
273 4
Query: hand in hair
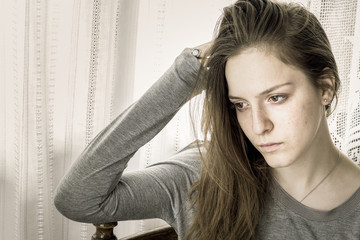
203 49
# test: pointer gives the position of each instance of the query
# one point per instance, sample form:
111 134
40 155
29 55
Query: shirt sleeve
95 189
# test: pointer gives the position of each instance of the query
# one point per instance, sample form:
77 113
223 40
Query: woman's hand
203 49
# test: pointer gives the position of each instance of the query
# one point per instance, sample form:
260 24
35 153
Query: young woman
268 168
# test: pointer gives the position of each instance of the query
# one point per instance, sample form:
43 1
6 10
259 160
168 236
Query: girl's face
278 108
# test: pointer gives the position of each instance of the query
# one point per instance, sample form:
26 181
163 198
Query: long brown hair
232 188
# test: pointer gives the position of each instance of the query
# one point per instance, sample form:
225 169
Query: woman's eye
277 98
240 106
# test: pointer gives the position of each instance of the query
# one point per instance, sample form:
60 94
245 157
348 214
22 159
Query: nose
261 123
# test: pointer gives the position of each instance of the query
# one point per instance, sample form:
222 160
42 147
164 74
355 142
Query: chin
278 165
277 161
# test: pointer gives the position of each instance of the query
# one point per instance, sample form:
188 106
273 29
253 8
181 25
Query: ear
327 85
327 91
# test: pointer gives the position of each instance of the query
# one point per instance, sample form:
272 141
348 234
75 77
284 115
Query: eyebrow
267 91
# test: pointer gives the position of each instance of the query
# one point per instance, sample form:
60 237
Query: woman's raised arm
86 188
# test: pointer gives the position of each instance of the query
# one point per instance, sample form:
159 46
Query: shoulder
347 180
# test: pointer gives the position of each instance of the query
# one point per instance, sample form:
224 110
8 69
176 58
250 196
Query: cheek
293 120
285 121
245 124
305 121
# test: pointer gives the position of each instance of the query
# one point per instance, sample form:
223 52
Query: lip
270 147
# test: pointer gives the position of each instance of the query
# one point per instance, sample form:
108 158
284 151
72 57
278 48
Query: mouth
270 147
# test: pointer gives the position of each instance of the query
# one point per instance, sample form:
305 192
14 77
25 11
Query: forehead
254 70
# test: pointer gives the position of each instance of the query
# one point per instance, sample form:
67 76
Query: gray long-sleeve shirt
95 190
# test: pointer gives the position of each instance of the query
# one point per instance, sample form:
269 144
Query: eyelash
237 107
279 96
282 99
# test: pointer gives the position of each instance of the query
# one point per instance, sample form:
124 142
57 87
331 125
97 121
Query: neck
305 174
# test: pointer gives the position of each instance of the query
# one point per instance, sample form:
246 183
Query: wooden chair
105 232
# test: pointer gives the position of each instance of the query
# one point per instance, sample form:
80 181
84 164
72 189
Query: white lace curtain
69 67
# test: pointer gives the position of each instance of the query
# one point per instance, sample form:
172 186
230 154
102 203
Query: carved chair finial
104 231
